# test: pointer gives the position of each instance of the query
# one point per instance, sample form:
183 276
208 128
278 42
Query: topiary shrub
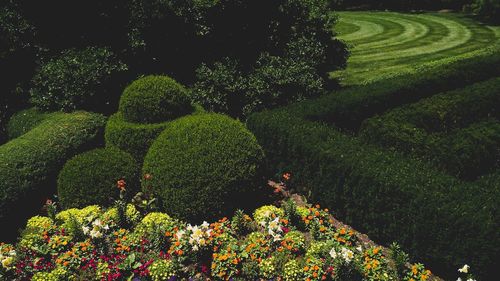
154 99
79 79
23 121
134 138
30 163
202 166
90 178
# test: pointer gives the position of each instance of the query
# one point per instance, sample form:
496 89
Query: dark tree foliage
276 45
17 60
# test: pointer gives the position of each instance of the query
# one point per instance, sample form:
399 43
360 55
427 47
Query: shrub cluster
29 164
202 166
423 128
146 108
90 178
154 99
369 187
79 79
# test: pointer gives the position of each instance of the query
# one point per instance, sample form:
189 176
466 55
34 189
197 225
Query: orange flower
121 184
287 176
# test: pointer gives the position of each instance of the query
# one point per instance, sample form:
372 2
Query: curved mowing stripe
388 43
366 29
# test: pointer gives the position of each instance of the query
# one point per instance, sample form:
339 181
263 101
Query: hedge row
386 194
423 128
29 164
23 121
134 138
348 108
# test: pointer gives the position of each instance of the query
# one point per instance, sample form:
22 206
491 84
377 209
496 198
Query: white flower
95 233
179 234
359 248
464 269
347 254
459 279
86 230
333 253
97 223
205 224
470 279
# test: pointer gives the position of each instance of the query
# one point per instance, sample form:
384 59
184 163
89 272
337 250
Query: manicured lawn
388 43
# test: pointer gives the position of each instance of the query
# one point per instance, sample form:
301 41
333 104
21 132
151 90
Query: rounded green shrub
79 79
30 163
134 138
202 166
91 177
154 99
23 121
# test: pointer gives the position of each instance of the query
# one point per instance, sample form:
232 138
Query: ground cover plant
291 240
388 43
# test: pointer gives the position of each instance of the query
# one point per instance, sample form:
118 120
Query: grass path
387 43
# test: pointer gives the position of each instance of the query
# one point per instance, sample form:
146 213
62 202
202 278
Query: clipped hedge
91 178
422 128
29 164
348 108
469 152
433 215
385 193
23 121
203 166
154 99
134 138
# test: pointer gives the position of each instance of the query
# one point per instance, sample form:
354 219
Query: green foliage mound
23 121
201 166
154 99
134 138
91 178
29 164
78 79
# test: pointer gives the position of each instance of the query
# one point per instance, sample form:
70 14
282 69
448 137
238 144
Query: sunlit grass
387 43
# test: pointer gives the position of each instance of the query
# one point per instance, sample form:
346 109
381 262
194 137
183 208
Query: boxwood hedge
134 138
29 164
348 108
23 121
154 99
91 178
385 193
422 128
203 166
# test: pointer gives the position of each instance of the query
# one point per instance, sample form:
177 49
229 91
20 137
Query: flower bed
295 241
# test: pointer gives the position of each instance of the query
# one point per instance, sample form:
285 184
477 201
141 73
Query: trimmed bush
369 187
203 166
422 128
134 138
389 195
348 108
90 178
154 99
23 121
30 163
79 79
